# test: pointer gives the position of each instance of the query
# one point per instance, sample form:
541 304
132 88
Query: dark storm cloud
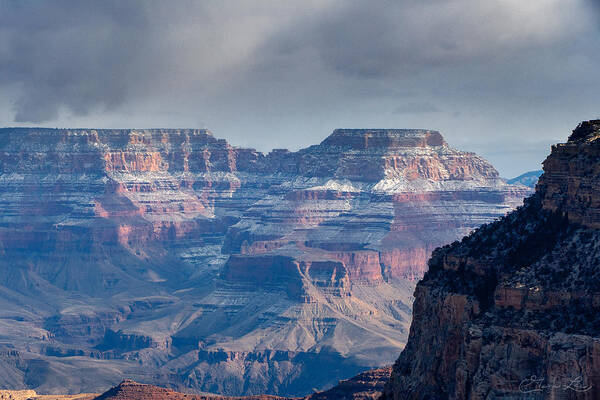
83 55
73 54
256 71
86 55
400 38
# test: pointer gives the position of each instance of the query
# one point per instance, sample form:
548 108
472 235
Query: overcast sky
504 78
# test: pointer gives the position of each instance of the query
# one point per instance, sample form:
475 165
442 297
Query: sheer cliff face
171 257
511 311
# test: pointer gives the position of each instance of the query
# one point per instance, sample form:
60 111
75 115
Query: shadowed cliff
511 311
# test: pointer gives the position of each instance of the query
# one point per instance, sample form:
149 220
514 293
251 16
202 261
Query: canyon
511 311
170 257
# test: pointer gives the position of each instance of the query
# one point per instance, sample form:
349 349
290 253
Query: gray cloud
284 74
400 38
417 108
77 55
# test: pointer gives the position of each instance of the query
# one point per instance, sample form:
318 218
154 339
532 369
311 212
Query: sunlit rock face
174 258
511 311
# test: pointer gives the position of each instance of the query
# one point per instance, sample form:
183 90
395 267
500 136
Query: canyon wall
511 311
171 257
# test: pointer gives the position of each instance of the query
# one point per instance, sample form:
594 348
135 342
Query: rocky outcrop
32 395
17 394
365 386
171 254
573 189
130 390
511 311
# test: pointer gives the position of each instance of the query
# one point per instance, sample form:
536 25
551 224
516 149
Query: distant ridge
528 179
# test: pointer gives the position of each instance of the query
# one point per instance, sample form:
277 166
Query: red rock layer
130 390
147 187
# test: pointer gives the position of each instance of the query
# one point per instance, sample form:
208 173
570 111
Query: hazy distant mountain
529 179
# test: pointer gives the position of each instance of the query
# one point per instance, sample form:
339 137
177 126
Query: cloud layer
284 74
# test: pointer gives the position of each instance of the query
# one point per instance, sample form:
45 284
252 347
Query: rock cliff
511 311
174 258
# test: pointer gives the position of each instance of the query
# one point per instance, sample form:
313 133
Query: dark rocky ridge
516 299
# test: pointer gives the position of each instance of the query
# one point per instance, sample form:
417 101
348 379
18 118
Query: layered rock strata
174 258
511 311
